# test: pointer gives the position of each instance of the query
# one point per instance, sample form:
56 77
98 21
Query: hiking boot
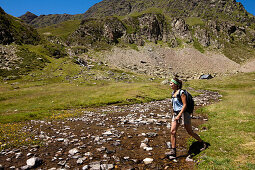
172 153
203 146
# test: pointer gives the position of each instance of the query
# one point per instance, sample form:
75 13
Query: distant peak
28 17
28 13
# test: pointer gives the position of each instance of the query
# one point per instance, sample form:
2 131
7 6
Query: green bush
55 50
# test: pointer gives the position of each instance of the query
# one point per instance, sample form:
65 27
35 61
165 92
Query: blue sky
39 7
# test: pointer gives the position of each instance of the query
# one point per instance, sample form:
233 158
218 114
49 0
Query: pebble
34 162
85 167
73 151
148 161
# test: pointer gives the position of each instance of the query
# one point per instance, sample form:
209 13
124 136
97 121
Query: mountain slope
47 20
13 30
207 9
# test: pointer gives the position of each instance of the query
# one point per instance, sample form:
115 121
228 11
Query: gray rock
169 145
148 160
62 163
81 160
151 134
24 167
85 167
107 166
18 155
95 165
60 139
73 151
34 162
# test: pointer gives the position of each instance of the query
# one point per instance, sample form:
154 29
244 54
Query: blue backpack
189 100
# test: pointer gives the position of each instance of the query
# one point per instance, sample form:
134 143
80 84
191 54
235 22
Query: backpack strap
179 94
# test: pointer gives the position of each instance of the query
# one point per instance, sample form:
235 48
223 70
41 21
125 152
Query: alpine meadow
92 90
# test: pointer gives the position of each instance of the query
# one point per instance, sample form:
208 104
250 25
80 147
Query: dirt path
107 138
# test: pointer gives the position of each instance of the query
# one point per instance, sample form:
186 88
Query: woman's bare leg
188 128
174 128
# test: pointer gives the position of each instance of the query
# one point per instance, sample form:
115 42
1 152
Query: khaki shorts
185 118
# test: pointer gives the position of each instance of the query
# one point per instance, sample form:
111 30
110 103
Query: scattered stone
169 145
107 166
62 163
95 165
60 139
85 167
81 160
148 148
143 145
107 133
148 161
34 162
24 167
151 134
73 151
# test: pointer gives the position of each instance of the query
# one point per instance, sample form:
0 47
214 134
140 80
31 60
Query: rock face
12 30
136 30
155 27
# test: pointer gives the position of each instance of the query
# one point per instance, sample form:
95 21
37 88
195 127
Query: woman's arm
183 97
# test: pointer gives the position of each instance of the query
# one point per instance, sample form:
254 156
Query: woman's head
176 84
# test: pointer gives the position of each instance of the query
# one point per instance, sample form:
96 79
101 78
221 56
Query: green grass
36 102
238 52
63 29
192 21
231 128
198 46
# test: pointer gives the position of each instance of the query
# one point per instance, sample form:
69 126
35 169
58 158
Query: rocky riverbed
114 137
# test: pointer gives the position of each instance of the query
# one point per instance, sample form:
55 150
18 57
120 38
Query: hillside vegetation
13 30
230 129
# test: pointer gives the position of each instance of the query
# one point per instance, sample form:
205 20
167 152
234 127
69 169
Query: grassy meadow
231 125
48 94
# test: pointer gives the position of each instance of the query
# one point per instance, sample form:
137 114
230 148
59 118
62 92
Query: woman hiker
180 115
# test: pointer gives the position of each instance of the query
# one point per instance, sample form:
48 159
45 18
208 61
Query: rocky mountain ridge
47 20
156 28
207 9
228 10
